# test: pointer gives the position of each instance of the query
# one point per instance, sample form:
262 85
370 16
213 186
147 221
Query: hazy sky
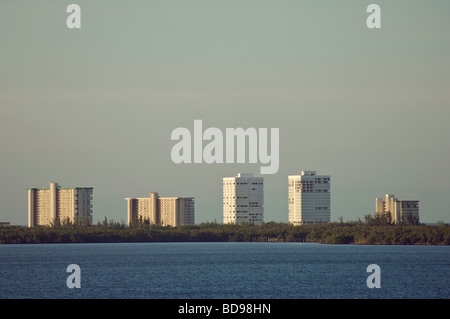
96 106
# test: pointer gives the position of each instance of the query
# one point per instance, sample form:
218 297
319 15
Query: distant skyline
96 106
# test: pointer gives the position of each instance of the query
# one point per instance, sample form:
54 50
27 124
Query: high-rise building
49 205
400 211
164 211
309 198
243 199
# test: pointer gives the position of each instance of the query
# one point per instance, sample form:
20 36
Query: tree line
373 230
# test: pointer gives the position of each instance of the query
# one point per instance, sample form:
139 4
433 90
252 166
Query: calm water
223 270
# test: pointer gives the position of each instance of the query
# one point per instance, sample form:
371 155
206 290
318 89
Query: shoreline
321 233
204 242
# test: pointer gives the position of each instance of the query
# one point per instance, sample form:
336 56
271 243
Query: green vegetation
373 230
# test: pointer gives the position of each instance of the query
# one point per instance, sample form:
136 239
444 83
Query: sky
96 106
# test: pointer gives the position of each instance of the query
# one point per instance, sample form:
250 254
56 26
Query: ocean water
223 270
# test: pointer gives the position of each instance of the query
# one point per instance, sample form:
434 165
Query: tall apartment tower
400 210
243 199
309 198
47 205
164 211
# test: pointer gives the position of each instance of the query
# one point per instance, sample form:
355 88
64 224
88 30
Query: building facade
309 198
243 199
49 205
399 211
164 211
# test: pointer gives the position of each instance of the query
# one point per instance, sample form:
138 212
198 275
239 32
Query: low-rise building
50 205
399 211
164 211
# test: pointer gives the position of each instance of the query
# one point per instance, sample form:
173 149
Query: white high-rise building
309 198
243 199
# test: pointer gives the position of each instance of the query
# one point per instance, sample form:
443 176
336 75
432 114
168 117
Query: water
223 270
